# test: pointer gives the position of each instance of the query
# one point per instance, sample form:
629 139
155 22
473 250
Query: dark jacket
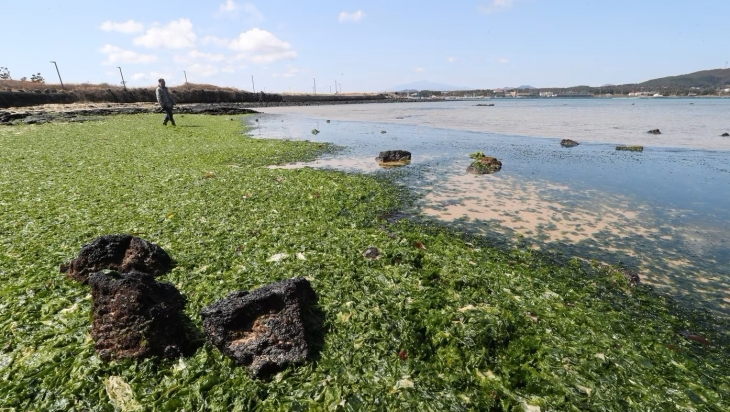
164 98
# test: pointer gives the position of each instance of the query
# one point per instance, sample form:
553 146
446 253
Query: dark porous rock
568 143
122 253
371 253
726 134
484 165
391 156
630 148
136 316
632 278
263 330
655 131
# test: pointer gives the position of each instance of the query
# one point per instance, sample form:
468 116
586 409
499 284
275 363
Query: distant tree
5 74
37 78
23 79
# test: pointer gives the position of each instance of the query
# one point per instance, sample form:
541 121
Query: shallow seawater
664 212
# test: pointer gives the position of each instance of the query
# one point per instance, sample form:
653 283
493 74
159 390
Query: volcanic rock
136 316
726 134
568 143
484 165
390 156
654 131
371 253
263 330
631 148
122 253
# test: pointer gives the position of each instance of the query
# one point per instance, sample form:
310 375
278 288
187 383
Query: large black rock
263 330
136 316
122 253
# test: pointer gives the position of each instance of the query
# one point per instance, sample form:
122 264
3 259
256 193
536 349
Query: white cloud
117 55
451 59
494 6
228 69
152 76
178 34
202 70
354 16
129 26
502 60
260 46
232 9
215 41
229 5
419 70
290 72
197 56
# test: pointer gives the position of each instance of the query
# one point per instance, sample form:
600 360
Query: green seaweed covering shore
441 321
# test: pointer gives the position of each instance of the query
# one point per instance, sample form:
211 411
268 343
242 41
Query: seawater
664 212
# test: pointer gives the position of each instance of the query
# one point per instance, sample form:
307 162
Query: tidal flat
443 320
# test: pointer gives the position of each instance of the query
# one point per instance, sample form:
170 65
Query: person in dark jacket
165 101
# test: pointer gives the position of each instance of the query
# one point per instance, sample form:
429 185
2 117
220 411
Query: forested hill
716 78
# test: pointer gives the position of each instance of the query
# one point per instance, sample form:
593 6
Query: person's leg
169 116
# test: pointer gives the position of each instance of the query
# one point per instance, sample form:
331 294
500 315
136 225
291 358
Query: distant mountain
524 86
426 85
716 78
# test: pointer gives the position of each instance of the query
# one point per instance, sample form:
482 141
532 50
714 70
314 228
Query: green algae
442 321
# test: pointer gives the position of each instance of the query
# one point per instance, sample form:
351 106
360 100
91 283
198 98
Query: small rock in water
328 121
264 329
371 253
655 131
315 132
122 253
383 132
136 316
484 165
568 143
631 148
726 134
394 156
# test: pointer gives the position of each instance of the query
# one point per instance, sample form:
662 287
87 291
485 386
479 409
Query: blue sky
364 45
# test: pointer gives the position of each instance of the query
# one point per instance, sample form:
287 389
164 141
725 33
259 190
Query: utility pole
315 85
335 86
252 84
59 73
124 84
186 77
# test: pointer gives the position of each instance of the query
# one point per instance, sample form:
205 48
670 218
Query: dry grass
28 85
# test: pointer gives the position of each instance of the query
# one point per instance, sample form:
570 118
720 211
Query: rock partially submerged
136 316
654 131
631 148
726 134
390 156
315 132
263 330
483 165
568 143
485 105
122 253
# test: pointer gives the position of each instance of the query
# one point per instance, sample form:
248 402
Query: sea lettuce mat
441 321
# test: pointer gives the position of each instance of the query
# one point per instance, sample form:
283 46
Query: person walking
165 101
